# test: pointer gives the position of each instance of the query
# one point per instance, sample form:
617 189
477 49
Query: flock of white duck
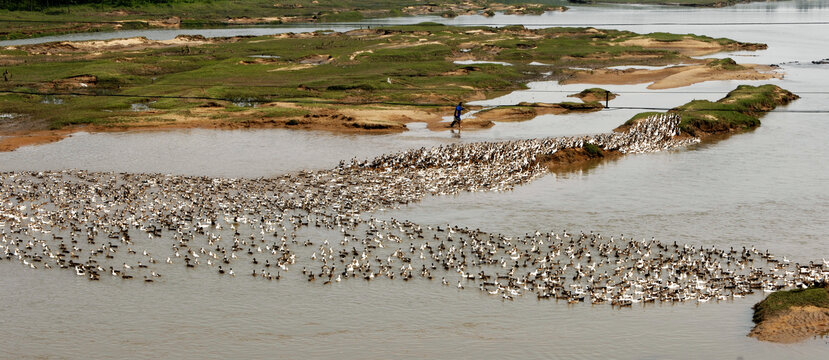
319 226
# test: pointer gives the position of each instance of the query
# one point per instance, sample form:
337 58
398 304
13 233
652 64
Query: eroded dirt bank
794 325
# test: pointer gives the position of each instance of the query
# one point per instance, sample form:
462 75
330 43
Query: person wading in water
458 110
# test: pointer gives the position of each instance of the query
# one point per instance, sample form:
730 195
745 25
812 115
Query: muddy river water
766 188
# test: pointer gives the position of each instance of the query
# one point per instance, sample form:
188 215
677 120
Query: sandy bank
527 111
672 77
691 47
349 120
125 44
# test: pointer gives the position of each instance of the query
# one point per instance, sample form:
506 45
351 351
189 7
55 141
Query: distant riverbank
367 81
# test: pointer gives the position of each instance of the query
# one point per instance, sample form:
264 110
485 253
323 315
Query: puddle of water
140 107
51 100
472 62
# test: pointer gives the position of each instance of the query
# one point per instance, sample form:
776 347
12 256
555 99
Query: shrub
593 150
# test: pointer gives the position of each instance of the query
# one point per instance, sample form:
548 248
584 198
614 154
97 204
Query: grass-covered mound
780 301
594 94
792 316
725 64
739 110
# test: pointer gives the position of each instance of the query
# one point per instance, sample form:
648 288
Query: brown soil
523 113
72 83
575 159
466 124
527 111
672 77
793 325
32 138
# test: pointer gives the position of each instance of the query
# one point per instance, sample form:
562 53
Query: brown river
766 188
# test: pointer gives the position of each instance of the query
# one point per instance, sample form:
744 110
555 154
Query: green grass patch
739 110
725 64
593 150
342 16
279 112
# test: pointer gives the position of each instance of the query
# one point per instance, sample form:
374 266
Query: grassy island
739 110
363 80
791 316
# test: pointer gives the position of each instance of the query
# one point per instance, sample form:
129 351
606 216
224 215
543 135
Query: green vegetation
28 18
725 64
739 110
402 65
640 116
593 150
669 37
595 92
780 301
596 95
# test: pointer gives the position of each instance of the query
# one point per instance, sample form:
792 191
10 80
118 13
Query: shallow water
211 317
765 188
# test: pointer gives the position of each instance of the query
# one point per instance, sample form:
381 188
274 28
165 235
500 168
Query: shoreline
376 120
